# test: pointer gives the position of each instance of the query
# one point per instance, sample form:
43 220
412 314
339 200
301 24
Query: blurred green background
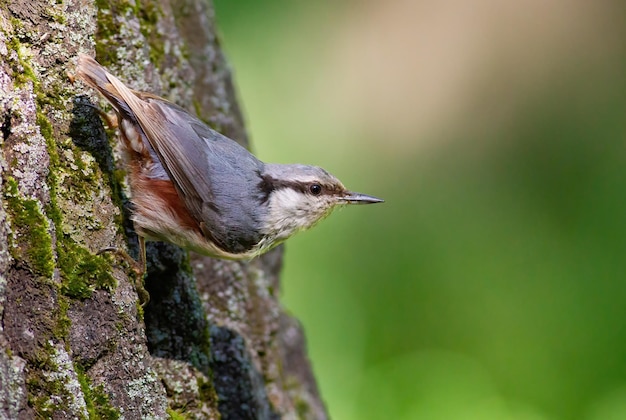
492 282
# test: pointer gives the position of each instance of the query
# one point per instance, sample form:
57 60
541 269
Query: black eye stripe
269 184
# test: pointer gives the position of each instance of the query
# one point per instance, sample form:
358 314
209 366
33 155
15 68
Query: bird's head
299 196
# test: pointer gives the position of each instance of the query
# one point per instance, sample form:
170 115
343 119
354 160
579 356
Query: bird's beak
358 198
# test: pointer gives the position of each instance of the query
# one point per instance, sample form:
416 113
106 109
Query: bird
200 190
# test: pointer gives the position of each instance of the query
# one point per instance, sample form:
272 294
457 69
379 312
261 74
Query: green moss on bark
81 271
176 415
149 13
31 230
109 28
51 392
96 398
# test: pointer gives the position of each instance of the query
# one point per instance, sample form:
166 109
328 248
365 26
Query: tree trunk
213 342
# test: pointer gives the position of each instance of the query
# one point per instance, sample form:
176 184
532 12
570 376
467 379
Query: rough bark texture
213 341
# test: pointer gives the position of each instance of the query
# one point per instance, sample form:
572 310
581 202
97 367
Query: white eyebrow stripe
305 179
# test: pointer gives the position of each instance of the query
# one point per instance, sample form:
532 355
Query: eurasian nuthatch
198 189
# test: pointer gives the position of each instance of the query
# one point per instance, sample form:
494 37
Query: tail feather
97 76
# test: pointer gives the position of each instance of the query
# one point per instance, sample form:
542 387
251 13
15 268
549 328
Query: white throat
289 211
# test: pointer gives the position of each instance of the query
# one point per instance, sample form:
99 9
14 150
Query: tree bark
214 341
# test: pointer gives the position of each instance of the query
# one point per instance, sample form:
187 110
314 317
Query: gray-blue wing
216 177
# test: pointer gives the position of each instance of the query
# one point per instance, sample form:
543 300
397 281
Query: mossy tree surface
213 342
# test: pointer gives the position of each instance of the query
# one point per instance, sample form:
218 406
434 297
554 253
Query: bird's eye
316 189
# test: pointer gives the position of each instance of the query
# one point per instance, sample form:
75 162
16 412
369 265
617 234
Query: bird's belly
159 214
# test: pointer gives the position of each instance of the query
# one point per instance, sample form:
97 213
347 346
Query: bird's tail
97 76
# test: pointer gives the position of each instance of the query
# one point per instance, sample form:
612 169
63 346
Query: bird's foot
110 118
